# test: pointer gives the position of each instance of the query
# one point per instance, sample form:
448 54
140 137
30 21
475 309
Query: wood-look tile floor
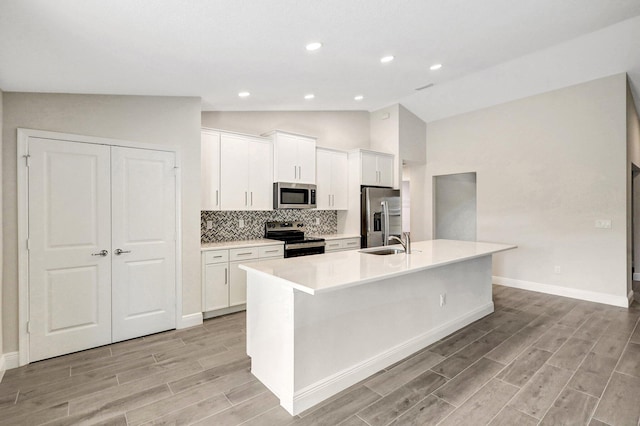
538 359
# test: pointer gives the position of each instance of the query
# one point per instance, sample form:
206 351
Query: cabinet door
323 180
260 172
237 284
285 158
385 170
368 168
339 181
210 164
306 160
216 287
234 173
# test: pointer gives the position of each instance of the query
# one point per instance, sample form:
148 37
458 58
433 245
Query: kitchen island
319 324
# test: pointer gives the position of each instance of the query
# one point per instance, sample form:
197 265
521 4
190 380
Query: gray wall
548 167
455 206
334 129
2 310
173 121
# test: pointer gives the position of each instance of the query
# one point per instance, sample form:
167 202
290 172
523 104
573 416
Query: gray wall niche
226 223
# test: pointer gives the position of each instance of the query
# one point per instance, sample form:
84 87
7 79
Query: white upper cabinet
331 179
376 168
210 165
294 158
245 173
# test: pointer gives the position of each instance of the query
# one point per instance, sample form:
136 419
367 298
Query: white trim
630 297
574 293
224 311
190 320
7 362
2 367
23 224
323 389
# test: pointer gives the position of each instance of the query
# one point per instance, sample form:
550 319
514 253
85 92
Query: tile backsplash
226 223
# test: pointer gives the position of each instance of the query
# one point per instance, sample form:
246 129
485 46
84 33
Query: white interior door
144 233
69 225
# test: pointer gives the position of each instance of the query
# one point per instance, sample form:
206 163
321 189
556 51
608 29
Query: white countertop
330 237
334 271
239 244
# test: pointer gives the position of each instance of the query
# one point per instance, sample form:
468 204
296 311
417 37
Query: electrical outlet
241 223
557 269
209 225
317 221
443 299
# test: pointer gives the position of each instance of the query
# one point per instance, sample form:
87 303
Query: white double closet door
102 230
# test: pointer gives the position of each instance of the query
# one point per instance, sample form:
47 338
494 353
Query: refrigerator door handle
385 222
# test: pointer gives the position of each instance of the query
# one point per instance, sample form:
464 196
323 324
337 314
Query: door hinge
29 327
27 160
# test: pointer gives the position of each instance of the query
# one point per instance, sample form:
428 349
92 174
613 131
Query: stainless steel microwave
294 195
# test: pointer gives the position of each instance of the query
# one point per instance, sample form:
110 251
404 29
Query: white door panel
237 284
143 221
260 171
234 172
306 160
69 221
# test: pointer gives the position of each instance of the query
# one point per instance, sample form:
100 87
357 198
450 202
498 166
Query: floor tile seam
365 422
571 378
465 346
372 390
405 411
614 371
244 400
234 406
172 411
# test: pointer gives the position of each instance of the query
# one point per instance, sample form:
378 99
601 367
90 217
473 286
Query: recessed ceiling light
313 46
243 94
435 67
358 97
386 59
309 96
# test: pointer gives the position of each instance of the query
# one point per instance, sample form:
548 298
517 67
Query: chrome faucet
406 244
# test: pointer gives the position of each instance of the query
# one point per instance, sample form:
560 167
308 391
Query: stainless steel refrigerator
381 215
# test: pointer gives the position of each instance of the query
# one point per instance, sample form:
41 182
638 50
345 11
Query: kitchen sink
383 251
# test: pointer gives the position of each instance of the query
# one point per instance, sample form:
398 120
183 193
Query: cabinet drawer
243 254
216 256
351 243
333 245
271 251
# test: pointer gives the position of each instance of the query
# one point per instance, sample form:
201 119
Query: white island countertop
334 271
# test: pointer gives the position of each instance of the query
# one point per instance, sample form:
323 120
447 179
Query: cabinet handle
295 172
225 276
351 244
333 200
251 197
217 257
271 251
245 198
216 197
299 172
329 199
244 254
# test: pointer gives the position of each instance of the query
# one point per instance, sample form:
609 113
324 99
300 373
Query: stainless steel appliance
381 216
294 196
295 243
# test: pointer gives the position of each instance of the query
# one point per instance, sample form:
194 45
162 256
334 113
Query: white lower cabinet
224 284
342 244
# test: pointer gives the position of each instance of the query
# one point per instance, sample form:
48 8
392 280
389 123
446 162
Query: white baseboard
323 389
574 293
7 362
190 320
630 297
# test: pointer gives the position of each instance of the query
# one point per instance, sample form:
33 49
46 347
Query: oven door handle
304 245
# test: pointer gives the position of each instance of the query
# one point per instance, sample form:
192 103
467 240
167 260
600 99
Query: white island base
319 324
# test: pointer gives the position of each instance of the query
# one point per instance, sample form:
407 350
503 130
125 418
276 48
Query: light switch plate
209 225
241 223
